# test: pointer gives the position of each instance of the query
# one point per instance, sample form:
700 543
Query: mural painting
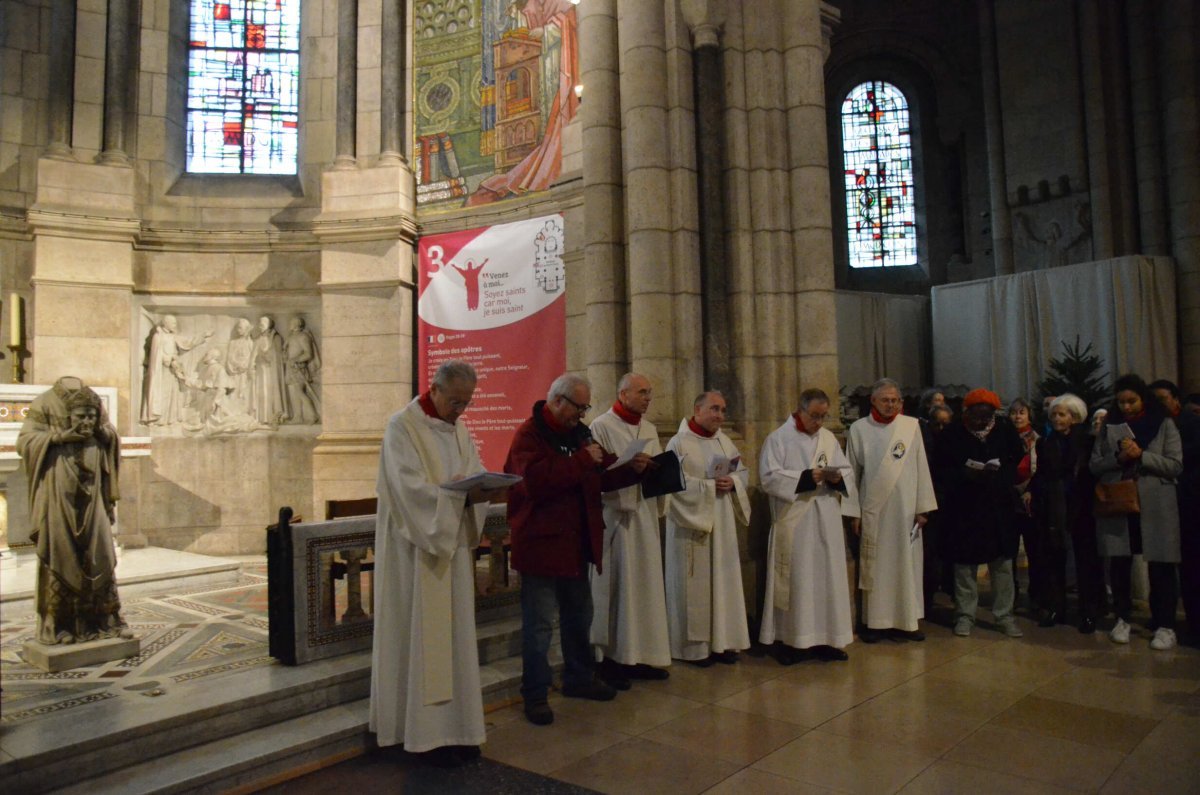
495 85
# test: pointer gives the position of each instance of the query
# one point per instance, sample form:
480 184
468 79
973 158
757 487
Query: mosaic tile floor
186 635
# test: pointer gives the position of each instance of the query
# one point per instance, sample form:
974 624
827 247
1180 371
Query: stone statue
163 386
238 363
70 454
215 412
269 403
303 361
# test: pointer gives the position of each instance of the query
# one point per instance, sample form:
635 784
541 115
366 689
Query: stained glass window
877 148
243 87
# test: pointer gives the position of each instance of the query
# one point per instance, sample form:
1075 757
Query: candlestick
15 337
18 371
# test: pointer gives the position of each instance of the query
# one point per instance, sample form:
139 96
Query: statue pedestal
65 656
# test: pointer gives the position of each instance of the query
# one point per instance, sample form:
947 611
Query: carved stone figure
215 412
303 361
163 389
269 403
238 363
70 454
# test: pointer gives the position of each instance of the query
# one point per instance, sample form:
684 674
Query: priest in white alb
629 623
425 689
706 609
895 493
807 477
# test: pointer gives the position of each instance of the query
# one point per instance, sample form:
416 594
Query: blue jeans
540 597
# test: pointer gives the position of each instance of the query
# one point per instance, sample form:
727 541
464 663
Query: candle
14 318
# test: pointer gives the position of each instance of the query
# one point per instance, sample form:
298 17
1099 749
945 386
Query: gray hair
811 396
454 370
703 396
565 384
1073 404
627 379
882 384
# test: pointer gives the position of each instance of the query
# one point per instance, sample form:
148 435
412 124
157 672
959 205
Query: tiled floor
1055 711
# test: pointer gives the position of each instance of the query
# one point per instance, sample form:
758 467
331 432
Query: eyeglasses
584 409
459 405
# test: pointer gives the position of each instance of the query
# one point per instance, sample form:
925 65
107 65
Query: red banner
495 297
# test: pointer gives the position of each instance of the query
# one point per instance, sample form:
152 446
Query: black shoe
829 654
446 756
707 662
868 635
643 671
726 657
468 753
614 674
916 635
1087 626
1047 618
787 655
539 713
595 690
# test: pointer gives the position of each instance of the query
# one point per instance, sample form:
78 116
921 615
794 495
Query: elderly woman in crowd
1020 413
1139 443
1061 492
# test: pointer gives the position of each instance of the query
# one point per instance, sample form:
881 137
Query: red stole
426 401
625 414
698 430
875 415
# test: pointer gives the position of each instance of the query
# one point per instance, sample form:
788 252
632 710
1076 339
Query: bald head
634 392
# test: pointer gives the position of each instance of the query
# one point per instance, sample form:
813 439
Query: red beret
981 396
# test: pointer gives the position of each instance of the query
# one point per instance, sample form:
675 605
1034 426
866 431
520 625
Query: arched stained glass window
243 87
877 150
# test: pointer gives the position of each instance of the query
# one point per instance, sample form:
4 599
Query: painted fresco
494 88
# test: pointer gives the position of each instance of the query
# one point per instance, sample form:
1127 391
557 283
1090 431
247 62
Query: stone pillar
347 84
811 222
714 280
117 79
61 98
367 231
1179 27
607 351
1147 129
646 156
84 224
1001 218
392 66
1098 143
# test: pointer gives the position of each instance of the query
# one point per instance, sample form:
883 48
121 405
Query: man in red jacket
557 530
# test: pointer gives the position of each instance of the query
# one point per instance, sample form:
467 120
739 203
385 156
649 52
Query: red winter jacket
555 513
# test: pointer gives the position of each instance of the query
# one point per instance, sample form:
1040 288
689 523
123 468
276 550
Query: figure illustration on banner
471 281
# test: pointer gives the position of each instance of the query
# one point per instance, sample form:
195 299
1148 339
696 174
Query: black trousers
1089 575
1189 566
1164 590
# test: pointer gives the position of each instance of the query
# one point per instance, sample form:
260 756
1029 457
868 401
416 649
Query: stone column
1096 139
646 156
117 78
1179 27
1147 129
392 65
1001 218
607 355
710 143
347 84
61 99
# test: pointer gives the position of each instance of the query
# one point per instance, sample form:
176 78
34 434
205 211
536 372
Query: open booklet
631 449
485 480
665 475
720 466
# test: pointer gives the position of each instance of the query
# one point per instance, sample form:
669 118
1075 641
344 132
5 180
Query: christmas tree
1078 372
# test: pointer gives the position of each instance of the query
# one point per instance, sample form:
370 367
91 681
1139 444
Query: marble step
240 762
61 750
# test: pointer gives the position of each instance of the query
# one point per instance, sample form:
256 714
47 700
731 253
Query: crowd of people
922 502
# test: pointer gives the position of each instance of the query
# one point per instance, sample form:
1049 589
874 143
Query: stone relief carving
1058 238
257 380
71 454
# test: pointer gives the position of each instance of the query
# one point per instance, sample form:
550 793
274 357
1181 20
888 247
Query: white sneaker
1163 639
1120 633
962 627
1009 627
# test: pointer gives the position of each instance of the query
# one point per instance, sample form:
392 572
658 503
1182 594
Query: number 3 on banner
435 254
